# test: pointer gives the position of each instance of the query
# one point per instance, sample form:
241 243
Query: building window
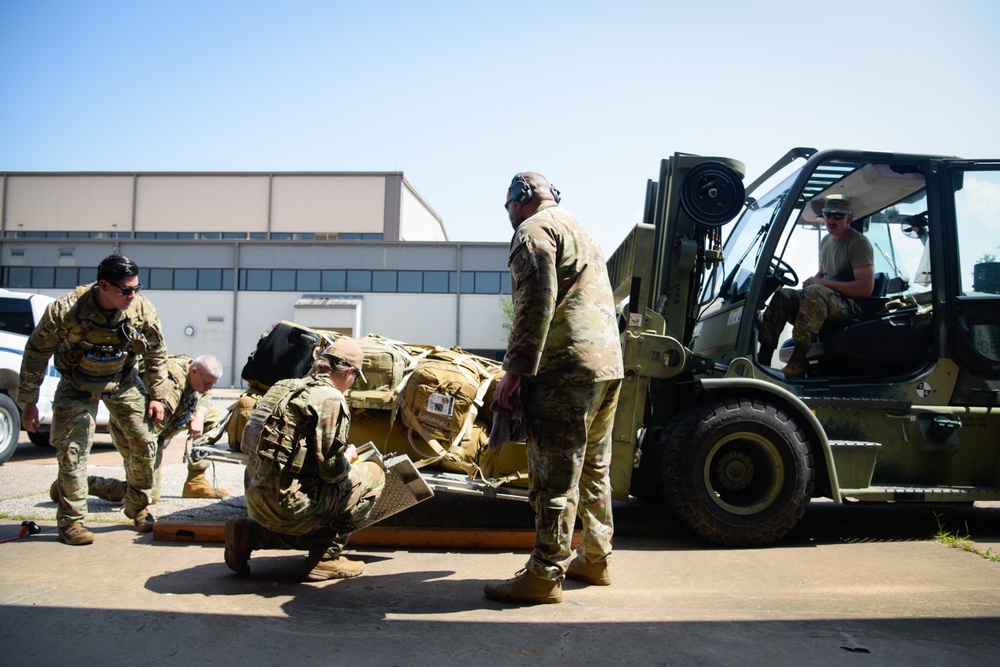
17 276
160 279
209 279
334 280
185 278
283 280
409 281
435 282
308 280
266 280
487 282
67 277
255 280
359 281
43 277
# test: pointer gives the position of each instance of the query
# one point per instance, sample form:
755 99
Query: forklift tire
737 471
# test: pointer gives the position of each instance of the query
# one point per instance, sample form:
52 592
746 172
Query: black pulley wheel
712 193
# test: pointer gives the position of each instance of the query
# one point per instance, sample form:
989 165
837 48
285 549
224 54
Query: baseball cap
345 349
837 204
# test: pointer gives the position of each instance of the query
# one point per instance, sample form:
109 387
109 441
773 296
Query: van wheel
10 427
737 471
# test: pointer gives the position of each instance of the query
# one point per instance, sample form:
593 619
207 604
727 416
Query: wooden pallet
378 536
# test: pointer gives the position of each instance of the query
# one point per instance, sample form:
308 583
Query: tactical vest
272 434
106 354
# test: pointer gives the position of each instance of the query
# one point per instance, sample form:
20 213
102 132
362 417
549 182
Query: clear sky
461 95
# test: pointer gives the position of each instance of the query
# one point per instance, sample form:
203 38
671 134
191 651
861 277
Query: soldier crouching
306 488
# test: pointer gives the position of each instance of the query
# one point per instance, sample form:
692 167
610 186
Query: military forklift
901 405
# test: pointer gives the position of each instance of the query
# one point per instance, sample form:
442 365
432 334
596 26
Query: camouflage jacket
181 400
564 327
65 324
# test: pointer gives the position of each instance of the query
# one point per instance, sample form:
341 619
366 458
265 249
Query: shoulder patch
521 262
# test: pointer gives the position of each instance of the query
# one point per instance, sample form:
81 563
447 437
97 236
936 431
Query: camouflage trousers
73 425
114 489
569 455
806 309
366 481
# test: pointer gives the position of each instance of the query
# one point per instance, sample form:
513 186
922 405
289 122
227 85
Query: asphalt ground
850 585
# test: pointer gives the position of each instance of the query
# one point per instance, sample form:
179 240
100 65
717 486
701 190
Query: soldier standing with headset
97 333
564 359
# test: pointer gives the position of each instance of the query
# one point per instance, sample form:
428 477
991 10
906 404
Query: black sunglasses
835 216
127 290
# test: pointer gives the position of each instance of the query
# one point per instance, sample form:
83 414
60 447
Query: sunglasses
127 290
835 216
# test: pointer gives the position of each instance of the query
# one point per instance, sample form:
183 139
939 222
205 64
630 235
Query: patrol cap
346 350
837 204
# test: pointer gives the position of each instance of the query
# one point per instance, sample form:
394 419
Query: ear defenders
520 192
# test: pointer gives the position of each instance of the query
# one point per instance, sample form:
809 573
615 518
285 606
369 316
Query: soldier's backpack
287 351
440 402
387 365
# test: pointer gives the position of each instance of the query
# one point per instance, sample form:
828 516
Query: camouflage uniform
67 330
807 309
321 503
179 405
565 344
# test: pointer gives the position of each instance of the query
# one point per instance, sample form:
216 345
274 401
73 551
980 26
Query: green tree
507 306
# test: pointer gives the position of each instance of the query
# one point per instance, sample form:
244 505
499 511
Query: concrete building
226 256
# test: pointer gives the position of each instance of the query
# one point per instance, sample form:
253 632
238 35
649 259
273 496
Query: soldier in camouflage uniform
846 269
564 357
97 334
306 488
188 406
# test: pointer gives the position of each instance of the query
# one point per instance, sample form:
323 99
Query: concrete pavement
810 600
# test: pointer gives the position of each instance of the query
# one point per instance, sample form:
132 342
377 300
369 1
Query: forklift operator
846 270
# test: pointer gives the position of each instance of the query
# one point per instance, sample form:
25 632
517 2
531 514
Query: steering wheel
781 271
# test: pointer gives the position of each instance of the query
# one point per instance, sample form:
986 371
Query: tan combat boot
239 543
525 587
596 574
338 568
75 535
142 521
797 364
198 486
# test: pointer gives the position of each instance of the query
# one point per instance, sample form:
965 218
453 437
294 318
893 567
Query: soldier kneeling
306 488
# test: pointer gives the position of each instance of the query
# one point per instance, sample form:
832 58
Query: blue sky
460 96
